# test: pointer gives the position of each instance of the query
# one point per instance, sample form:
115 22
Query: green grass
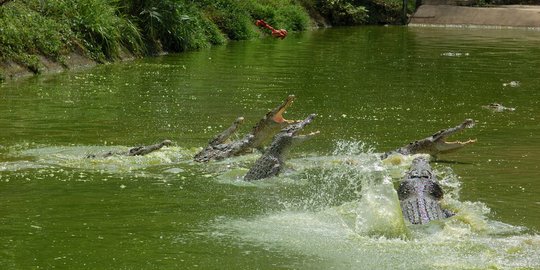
25 35
105 29
171 25
32 28
96 25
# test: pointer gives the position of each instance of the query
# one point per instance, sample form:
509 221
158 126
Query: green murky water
373 88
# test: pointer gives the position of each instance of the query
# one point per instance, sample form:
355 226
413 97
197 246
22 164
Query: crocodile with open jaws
273 159
419 194
436 143
135 151
220 147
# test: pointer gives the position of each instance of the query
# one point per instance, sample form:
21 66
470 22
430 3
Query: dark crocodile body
272 161
436 143
220 147
419 194
135 151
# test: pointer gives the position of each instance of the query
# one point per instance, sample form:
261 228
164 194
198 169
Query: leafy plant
101 30
25 34
292 18
231 17
171 25
343 12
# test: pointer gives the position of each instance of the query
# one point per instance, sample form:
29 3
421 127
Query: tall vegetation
95 24
343 12
30 29
25 35
168 25
104 30
235 18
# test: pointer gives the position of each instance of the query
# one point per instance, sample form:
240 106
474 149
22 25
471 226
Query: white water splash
347 148
379 213
366 230
74 157
454 54
512 84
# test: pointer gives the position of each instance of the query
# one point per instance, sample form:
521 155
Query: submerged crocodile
497 107
135 151
436 143
220 147
419 194
272 161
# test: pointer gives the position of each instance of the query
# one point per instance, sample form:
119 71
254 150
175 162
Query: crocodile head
291 134
436 143
442 146
420 169
419 194
271 123
144 150
272 161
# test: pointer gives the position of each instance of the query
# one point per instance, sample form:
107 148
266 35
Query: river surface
335 207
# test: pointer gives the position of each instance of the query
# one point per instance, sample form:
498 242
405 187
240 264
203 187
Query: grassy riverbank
34 33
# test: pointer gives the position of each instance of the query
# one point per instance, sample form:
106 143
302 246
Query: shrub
32 28
237 18
292 18
102 29
232 17
25 34
97 25
280 14
343 12
172 25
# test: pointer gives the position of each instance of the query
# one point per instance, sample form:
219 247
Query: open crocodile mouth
278 115
444 145
307 135
453 144
298 127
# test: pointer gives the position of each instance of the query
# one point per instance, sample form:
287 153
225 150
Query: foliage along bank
35 33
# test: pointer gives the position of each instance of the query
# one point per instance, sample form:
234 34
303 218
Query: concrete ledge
504 16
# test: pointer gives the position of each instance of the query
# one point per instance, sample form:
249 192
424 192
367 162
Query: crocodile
436 143
220 147
419 194
272 161
135 151
497 107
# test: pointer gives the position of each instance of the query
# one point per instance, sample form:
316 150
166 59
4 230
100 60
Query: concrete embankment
519 16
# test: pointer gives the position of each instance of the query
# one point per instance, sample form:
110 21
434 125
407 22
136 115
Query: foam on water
366 229
19 165
74 157
448 244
